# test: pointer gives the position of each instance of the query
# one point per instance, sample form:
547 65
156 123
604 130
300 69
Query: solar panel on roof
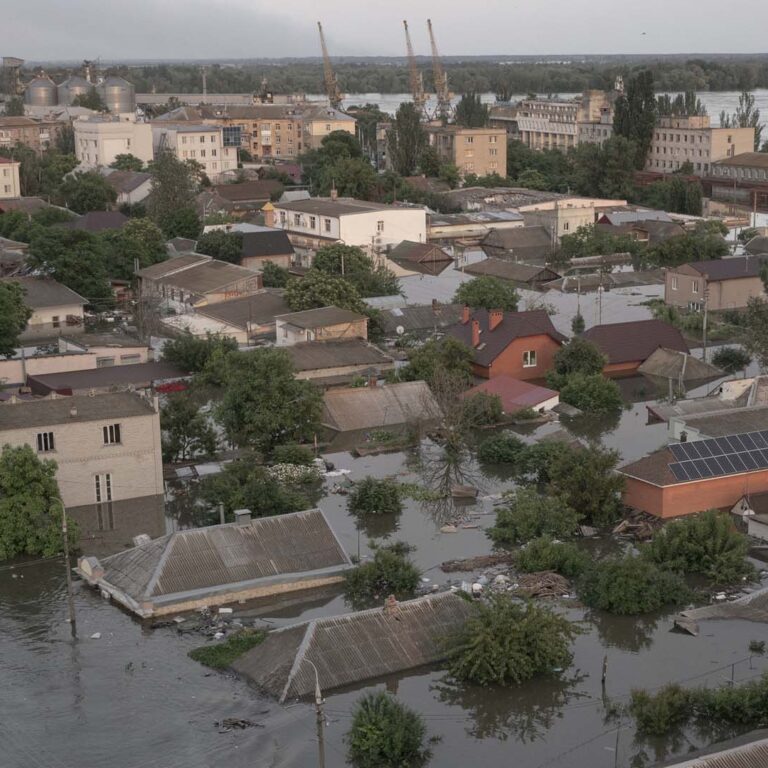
704 448
749 443
749 460
759 439
737 462
678 470
678 451
702 468
722 445
714 467
718 456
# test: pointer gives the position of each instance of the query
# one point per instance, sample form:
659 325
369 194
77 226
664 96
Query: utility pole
600 302
70 597
704 325
320 718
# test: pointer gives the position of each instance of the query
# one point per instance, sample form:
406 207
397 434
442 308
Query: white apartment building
320 221
106 447
99 140
202 143
9 178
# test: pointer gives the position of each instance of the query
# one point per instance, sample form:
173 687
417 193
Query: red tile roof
515 395
635 341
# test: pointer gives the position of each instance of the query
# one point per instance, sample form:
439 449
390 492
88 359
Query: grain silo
119 95
73 87
41 92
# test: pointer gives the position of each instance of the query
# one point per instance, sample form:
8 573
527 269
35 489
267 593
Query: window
327 224
130 359
469 139
45 442
694 286
56 322
202 153
213 153
327 126
183 139
492 139
107 362
202 139
529 358
103 488
674 283
213 139
111 434
566 226
379 226
296 219
312 222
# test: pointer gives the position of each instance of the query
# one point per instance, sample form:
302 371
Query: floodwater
131 698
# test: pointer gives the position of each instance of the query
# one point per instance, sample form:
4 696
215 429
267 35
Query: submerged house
247 559
354 647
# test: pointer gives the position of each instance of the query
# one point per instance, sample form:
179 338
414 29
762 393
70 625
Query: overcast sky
186 29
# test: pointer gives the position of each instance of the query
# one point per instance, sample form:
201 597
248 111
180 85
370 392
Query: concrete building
565 216
323 324
55 308
741 180
107 447
723 283
481 151
320 221
10 186
202 143
35 134
99 140
677 140
131 187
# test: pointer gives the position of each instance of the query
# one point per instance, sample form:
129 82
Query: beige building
36 134
202 143
564 217
721 283
9 178
99 140
56 309
678 140
323 324
481 151
107 447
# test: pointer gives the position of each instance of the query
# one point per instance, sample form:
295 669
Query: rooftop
348 410
747 751
515 395
344 206
635 341
536 239
419 317
58 410
322 355
98 221
757 245
41 292
746 160
257 309
734 268
136 375
208 276
730 421
270 242
248 190
354 647
170 266
678 365
420 257
127 181
511 270
321 317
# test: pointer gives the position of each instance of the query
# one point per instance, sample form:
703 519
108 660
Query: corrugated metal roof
752 607
750 755
322 355
354 647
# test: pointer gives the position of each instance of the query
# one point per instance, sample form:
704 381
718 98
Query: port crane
444 106
415 77
335 97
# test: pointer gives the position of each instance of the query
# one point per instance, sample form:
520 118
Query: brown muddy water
133 699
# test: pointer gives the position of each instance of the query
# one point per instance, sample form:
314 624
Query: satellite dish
399 330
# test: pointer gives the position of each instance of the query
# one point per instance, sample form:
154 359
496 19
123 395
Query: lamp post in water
70 598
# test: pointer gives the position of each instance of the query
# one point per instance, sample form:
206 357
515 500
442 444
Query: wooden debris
464 492
542 584
638 525
477 563
689 626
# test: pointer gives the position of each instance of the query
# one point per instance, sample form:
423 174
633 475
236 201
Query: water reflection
628 633
592 427
526 712
377 526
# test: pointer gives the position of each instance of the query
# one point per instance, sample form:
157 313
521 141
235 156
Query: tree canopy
406 139
635 114
89 191
355 266
187 433
486 292
222 245
138 241
319 289
471 112
175 184
14 314
194 354
127 162
439 356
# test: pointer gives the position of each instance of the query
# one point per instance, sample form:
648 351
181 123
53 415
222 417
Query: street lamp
70 598
320 716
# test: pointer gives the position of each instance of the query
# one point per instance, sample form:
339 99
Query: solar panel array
720 456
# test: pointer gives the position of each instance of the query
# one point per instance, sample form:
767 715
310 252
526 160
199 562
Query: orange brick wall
688 498
617 370
510 361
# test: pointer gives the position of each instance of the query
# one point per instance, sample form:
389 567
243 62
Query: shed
519 244
220 564
426 258
528 275
337 362
680 367
516 395
354 647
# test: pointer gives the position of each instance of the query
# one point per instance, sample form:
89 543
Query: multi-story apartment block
202 143
99 140
481 151
36 134
677 140
106 447
9 178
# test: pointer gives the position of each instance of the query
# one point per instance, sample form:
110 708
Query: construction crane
444 106
415 76
335 96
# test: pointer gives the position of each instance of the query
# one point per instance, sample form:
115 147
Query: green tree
30 515
372 496
319 289
75 258
630 586
471 112
532 179
349 176
756 330
704 243
367 116
635 114
747 115
451 175
593 241
222 245
505 643
731 359
90 100
127 162
183 222
14 107
390 572
578 356
193 354
544 554
187 434
501 448
274 276
577 324
84 192
386 734
175 184
14 314
487 292
263 405
686 104
138 241
447 355
429 161
354 265
526 515
406 139
592 394
65 140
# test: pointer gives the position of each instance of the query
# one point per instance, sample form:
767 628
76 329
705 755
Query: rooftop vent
242 516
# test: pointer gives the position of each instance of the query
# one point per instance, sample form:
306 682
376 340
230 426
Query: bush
630 586
371 496
543 554
482 410
578 356
293 454
221 655
707 544
534 461
389 573
503 448
591 393
505 643
731 359
386 734
528 514
656 714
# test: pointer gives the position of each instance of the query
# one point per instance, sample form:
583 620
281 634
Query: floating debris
477 563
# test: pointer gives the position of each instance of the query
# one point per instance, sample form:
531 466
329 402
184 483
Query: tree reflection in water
592 427
525 711
629 633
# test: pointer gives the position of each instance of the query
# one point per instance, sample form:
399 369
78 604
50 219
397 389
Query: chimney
495 316
475 333
465 314
334 193
391 606
243 516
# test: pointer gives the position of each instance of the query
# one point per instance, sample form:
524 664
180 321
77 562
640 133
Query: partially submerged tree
527 514
501 448
731 359
390 572
545 554
593 394
187 433
756 330
489 293
373 496
447 355
578 356
505 643
193 354
14 314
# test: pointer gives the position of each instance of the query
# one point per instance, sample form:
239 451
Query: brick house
519 344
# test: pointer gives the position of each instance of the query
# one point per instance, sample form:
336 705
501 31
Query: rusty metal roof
354 647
